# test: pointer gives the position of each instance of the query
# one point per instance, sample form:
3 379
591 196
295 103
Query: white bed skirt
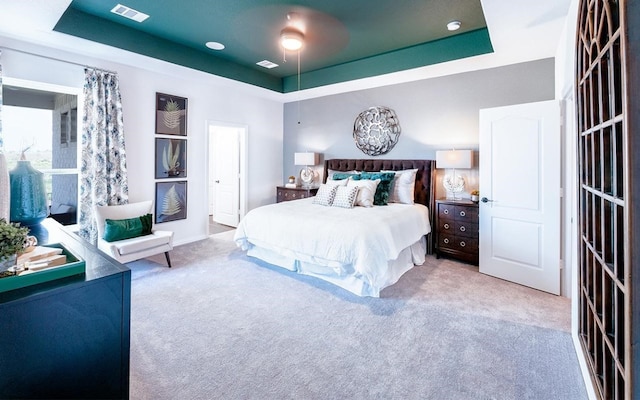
407 259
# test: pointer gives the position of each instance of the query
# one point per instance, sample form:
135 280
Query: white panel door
520 194
227 176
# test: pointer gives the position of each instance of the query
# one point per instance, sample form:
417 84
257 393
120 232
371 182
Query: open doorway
227 180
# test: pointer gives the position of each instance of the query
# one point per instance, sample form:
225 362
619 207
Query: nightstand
286 194
457 229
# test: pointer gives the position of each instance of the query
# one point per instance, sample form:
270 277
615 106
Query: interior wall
206 101
434 114
565 90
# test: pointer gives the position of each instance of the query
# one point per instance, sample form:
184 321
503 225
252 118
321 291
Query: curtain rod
58 59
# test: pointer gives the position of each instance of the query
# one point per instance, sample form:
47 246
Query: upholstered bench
134 248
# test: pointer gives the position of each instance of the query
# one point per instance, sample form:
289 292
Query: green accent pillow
340 176
381 197
120 229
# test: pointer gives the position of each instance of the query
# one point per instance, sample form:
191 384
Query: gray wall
434 114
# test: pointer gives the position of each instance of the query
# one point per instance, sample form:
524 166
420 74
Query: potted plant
475 195
12 239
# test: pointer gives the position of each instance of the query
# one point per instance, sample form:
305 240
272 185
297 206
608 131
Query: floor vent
130 13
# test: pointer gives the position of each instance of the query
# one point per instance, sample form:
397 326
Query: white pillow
345 197
340 182
403 186
366 191
325 195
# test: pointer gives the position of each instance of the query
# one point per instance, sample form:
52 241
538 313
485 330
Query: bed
360 249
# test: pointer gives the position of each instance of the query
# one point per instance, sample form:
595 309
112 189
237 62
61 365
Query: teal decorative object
28 196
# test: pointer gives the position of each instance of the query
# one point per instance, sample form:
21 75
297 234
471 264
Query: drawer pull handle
462 244
462 213
446 240
446 226
462 229
446 211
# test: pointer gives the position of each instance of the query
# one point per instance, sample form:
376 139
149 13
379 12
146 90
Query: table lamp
454 159
306 174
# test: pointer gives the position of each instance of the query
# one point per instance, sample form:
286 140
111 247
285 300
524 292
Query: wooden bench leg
166 255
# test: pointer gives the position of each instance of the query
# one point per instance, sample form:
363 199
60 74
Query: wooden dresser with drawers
456 229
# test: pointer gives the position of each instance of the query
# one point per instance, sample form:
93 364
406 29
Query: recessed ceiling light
453 25
214 45
129 12
267 64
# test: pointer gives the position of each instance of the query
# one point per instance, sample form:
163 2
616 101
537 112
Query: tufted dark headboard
425 179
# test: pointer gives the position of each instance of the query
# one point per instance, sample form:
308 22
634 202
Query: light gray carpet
219 325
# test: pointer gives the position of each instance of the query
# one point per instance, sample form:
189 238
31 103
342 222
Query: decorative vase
28 195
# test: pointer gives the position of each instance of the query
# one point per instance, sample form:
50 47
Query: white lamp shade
306 159
458 159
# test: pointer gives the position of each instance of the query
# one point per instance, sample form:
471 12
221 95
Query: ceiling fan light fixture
291 39
454 25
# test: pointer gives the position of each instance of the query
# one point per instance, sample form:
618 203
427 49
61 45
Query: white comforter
359 241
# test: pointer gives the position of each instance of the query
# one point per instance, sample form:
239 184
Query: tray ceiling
344 40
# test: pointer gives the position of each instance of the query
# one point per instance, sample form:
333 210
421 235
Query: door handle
217 181
485 200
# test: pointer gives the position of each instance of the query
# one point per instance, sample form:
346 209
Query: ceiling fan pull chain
298 70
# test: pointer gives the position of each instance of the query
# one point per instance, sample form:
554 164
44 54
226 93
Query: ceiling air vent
267 64
130 13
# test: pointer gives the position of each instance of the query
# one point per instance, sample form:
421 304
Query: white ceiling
520 31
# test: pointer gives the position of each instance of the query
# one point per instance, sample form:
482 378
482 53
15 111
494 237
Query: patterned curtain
4 174
103 171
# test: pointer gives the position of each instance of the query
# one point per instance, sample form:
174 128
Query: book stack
40 258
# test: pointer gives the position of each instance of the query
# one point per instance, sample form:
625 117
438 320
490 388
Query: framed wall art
171 201
171 115
171 158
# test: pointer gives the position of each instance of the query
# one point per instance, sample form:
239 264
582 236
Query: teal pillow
120 229
381 197
340 176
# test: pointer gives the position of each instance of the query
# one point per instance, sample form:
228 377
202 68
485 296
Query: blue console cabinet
68 338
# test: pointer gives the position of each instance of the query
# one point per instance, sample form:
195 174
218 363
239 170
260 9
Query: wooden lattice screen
604 258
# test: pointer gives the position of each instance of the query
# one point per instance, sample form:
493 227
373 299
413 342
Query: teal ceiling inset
344 40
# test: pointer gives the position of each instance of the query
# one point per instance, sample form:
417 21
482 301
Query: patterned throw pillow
366 191
381 198
325 195
345 197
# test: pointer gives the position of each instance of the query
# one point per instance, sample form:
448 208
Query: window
68 127
64 128
45 124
